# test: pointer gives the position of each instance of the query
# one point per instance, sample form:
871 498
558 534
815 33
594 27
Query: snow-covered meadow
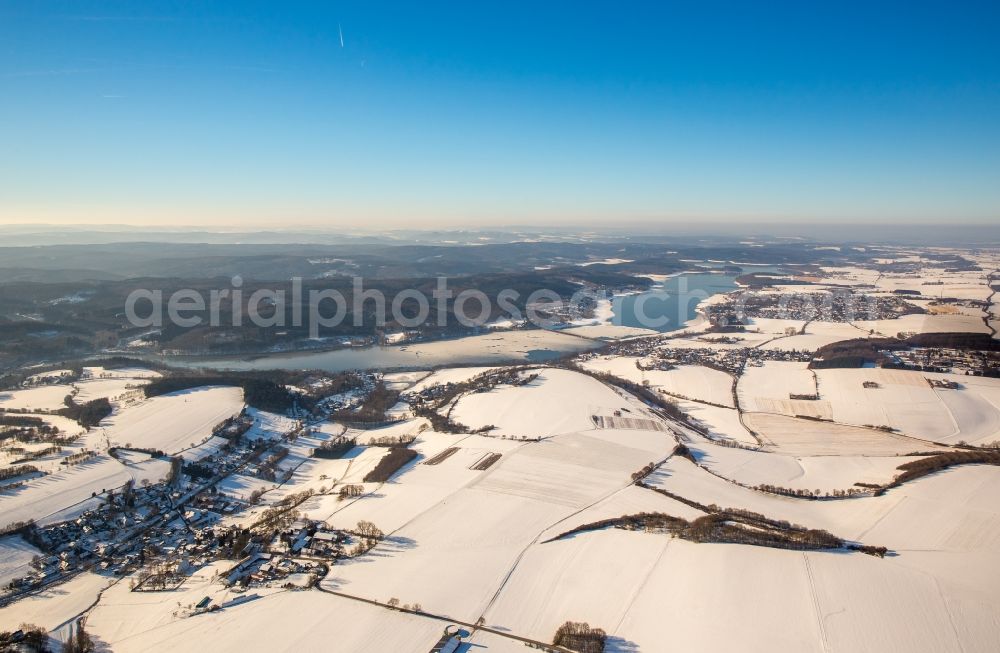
175 421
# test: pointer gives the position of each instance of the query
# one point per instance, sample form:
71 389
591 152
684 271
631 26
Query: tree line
581 637
89 414
372 409
915 469
334 448
391 463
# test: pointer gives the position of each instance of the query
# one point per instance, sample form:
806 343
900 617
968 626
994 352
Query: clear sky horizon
473 114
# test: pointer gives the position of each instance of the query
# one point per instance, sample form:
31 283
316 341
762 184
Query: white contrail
341 32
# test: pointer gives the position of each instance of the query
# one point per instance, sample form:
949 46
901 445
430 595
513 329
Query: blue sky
498 113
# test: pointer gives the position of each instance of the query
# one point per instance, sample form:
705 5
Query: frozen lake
668 305
486 349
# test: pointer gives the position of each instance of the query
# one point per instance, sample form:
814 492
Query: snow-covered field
925 324
659 595
123 615
15 557
692 381
175 421
768 389
453 557
209 448
242 486
403 380
55 608
952 285
65 493
266 425
287 621
47 397
957 502
108 388
719 422
94 383
821 472
450 556
448 375
905 400
817 334
418 487
402 429
120 373
801 437
531 410
65 425
775 327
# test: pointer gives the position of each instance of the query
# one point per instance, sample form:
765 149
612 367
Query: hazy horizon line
587 225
